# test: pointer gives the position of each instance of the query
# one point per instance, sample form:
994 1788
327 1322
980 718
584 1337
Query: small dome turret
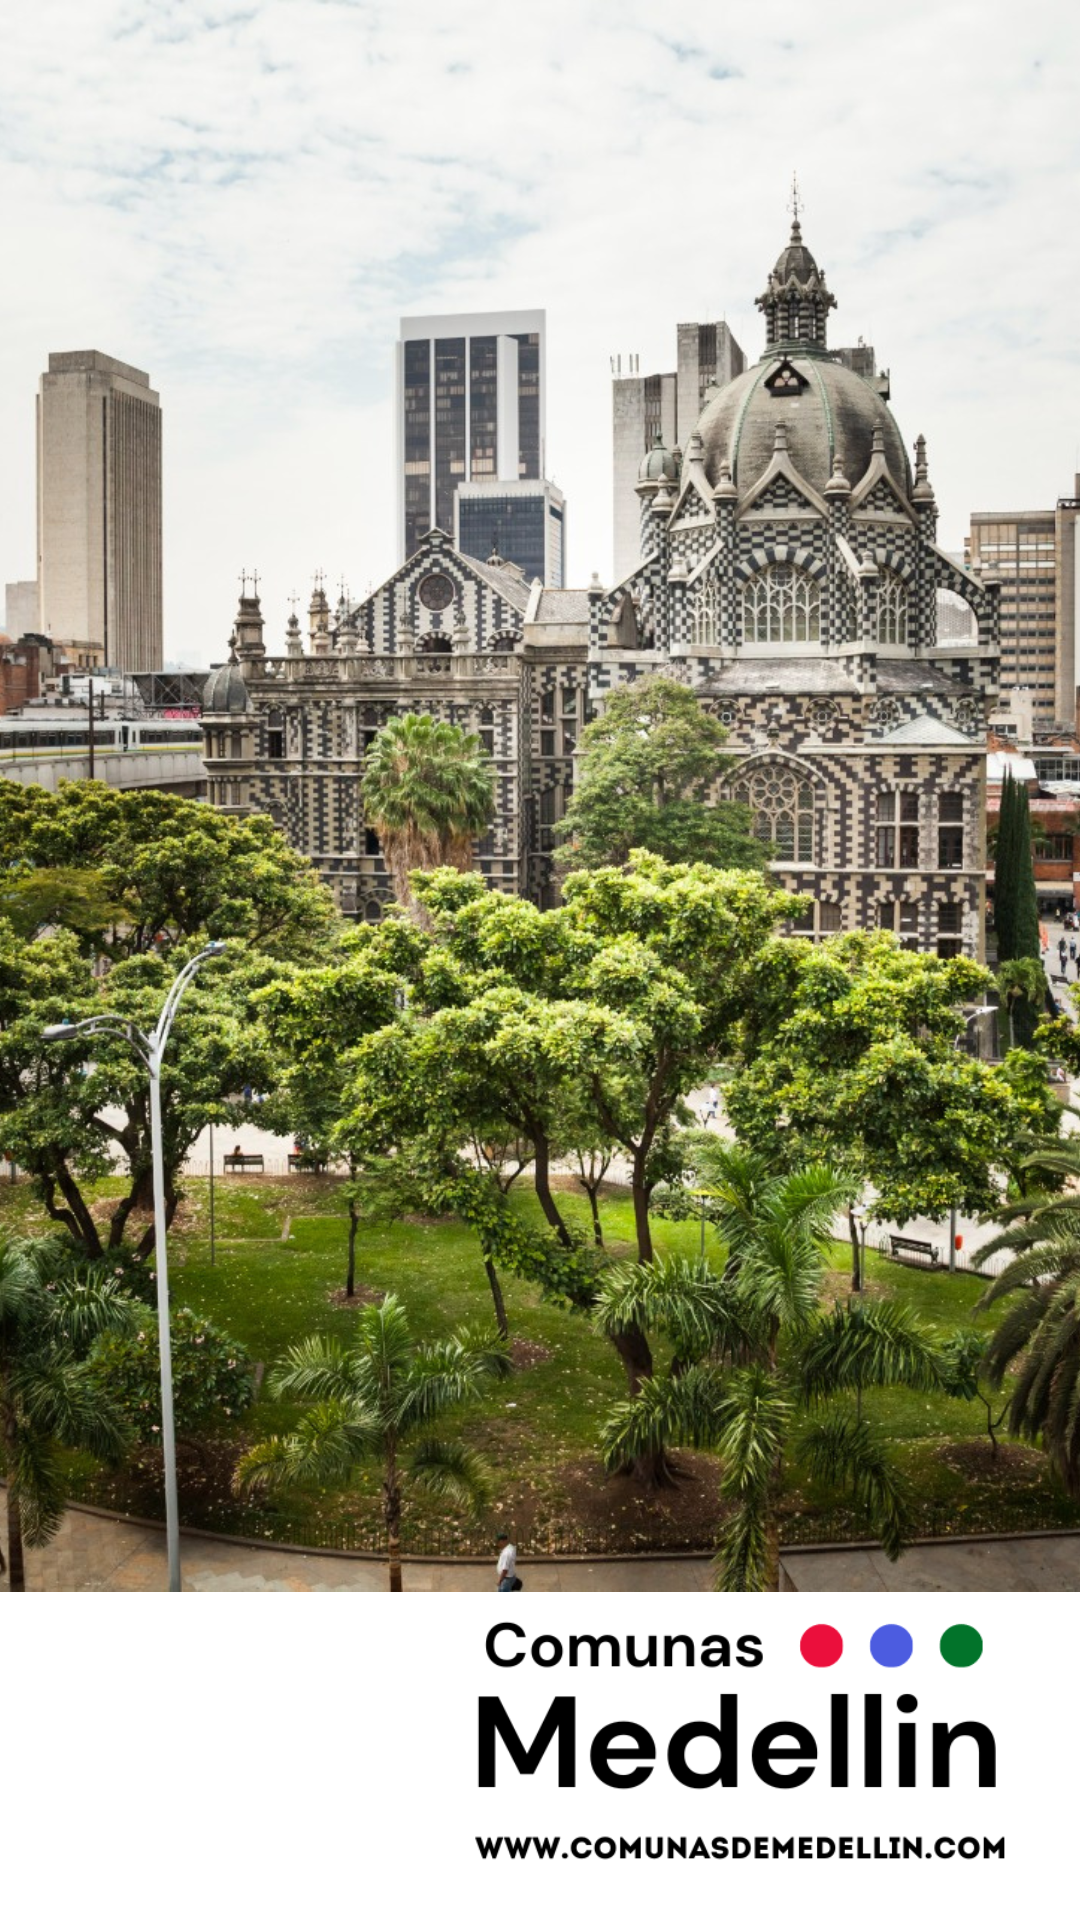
658 464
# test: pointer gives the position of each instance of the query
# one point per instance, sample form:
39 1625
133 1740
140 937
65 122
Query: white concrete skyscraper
99 511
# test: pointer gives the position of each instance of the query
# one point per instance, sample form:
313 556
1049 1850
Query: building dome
225 691
658 464
828 412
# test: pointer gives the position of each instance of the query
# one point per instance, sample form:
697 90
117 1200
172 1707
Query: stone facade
789 574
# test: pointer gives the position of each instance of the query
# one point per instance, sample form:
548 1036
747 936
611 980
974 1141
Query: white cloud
244 198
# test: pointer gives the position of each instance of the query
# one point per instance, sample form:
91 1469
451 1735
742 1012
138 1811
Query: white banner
530 1754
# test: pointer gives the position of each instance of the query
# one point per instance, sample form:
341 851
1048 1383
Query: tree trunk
350 1270
392 1517
856 1265
642 1225
598 1235
146 1245
542 1177
497 1297
76 1215
652 1470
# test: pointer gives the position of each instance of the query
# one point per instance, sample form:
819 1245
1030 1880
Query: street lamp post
150 1048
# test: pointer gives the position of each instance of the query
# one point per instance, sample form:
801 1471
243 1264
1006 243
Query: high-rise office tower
523 521
1034 555
99 511
470 407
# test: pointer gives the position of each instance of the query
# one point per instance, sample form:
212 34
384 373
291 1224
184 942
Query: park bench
913 1253
307 1163
244 1163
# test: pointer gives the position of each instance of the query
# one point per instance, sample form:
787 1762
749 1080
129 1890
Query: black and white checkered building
789 573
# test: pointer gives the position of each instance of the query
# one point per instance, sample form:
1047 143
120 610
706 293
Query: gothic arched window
782 808
782 603
892 609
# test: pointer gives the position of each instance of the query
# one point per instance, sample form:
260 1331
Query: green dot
961 1646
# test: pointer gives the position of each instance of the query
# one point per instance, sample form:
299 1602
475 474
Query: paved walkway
96 1554
1045 1563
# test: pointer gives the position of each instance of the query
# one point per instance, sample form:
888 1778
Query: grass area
280 1261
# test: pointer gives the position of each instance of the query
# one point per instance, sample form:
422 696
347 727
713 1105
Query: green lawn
280 1259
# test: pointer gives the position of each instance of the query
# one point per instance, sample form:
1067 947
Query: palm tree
428 791
1040 1335
51 1395
367 1402
748 1363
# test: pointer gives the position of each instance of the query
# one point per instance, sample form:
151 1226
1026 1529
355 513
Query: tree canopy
127 872
851 1055
648 770
428 791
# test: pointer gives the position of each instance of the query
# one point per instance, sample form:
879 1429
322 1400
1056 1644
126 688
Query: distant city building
99 512
470 407
1034 555
24 667
21 608
524 522
662 408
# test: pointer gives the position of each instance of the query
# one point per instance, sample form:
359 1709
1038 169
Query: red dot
821 1646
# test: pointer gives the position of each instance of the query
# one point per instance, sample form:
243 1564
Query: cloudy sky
244 197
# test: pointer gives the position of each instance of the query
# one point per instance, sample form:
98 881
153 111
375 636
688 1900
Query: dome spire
796 301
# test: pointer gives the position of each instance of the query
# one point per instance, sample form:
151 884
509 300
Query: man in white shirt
506 1578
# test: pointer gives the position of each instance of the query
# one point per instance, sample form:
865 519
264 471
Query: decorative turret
294 639
319 618
248 639
796 301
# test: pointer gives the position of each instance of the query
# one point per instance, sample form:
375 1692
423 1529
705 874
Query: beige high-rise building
99 511
1034 555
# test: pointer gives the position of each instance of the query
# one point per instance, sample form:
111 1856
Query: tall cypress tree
1005 872
1026 926
1016 908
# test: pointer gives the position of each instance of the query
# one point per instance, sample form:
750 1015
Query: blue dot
891 1646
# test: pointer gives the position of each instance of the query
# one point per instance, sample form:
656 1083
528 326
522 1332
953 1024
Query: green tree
648 770
158 870
1022 986
1035 1348
963 1368
371 1400
851 1057
50 1395
590 1022
74 1111
312 1018
1016 910
776 1351
428 791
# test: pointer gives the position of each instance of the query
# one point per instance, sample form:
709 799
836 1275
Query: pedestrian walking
1063 948
506 1578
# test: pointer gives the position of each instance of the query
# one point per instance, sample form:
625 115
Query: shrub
212 1375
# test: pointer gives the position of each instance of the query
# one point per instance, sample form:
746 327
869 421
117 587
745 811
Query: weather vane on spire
796 201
